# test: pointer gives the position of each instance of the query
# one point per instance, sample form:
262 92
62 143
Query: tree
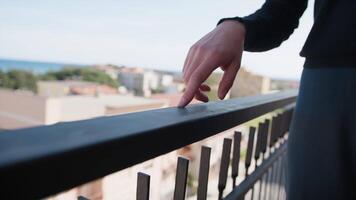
21 79
97 76
84 74
18 79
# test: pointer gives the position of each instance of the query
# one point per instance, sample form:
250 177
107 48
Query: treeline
18 79
26 80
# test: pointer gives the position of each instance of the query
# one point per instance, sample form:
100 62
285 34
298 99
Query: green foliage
18 79
84 74
21 79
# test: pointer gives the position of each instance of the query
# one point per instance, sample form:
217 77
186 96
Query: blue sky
151 34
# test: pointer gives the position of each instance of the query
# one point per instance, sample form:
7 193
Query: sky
152 34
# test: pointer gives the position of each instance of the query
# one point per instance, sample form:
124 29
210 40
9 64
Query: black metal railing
42 161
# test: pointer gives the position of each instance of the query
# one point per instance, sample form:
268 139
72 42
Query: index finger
195 81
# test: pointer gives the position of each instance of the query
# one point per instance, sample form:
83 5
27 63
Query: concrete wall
72 108
21 109
249 84
52 89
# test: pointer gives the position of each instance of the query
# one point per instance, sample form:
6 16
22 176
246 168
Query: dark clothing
331 40
322 140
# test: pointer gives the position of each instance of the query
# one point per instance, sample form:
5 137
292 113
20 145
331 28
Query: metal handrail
37 162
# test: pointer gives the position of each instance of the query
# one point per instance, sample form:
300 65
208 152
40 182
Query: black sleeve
273 23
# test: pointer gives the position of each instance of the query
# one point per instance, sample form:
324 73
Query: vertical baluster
279 129
267 134
286 122
289 114
268 182
282 190
203 173
257 154
281 125
251 139
280 176
259 141
143 186
224 166
181 179
290 118
283 122
262 186
273 133
236 158
273 180
264 129
278 181
258 150
269 144
261 180
82 198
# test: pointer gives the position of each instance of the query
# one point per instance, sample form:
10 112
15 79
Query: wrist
235 25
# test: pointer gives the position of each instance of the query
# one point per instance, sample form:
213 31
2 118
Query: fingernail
221 95
181 103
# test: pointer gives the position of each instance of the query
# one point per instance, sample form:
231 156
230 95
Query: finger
201 96
205 88
194 62
228 79
196 80
187 60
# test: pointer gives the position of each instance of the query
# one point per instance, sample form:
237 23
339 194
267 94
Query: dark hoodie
331 41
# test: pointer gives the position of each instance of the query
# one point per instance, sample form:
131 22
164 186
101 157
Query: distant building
249 84
69 87
144 82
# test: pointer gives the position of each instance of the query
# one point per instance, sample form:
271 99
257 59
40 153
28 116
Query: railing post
203 173
236 158
224 166
249 152
143 186
181 179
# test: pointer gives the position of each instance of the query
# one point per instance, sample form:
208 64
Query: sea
36 67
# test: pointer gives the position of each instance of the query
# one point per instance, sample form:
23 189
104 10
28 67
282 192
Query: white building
139 81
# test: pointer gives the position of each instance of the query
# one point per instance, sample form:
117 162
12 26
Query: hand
222 48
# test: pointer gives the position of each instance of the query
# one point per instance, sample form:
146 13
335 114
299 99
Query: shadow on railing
42 161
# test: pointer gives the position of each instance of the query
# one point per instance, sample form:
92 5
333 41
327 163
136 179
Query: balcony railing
42 161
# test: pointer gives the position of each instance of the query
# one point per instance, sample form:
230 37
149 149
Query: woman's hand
223 48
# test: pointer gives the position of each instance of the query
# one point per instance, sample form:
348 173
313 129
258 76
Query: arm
272 24
267 28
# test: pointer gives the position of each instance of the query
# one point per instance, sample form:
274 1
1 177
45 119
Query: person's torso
332 37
